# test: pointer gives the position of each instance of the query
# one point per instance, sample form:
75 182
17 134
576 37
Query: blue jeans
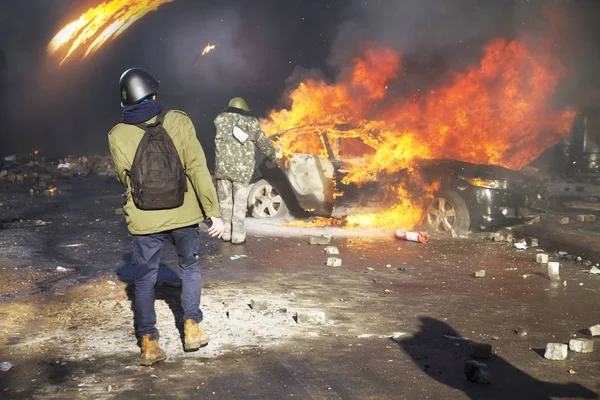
146 258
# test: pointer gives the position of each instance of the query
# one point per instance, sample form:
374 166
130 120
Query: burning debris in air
207 49
497 113
100 24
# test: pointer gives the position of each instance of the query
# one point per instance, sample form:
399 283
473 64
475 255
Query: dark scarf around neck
141 112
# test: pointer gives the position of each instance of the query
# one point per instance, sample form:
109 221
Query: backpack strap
159 120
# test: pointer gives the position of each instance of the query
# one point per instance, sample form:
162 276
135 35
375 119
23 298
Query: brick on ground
477 371
310 317
581 345
334 262
556 351
320 240
480 350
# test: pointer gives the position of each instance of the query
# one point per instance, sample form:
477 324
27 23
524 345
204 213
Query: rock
320 240
477 371
109 388
522 332
480 274
536 219
554 270
594 330
541 258
581 345
533 242
334 262
586 218
236 314
259 305
556 351
499 237
521 244
3 173
563 220
119 211
310 317
480 350
20 178
332 251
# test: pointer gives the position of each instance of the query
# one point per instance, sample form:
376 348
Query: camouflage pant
233 201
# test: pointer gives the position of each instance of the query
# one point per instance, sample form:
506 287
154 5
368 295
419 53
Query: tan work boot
151 351
194 336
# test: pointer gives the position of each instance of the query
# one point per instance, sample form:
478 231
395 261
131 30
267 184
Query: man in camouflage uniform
237 134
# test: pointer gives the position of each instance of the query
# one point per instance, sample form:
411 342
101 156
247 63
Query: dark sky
260 45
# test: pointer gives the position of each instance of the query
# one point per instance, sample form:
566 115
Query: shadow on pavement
442 360
168 289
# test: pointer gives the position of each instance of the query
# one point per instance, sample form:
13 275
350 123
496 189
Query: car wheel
448 211
264 201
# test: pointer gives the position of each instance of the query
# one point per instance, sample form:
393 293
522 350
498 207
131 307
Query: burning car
465 195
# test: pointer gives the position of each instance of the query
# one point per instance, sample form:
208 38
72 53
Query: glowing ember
207 49
496 113
100 24
36 152
52 190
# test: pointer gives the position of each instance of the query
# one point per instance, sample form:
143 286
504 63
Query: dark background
264 47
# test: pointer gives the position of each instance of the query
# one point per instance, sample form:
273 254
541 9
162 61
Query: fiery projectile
207 49
100 24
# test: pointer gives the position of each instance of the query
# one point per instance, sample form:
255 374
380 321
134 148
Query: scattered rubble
533 242
594 330
480 274
521 244
480 350
581 345
477 371
563 220
322 240
332 251
259 305
594 270
553 270
522 332
119 211
556 351
334 262
38 169
586 218
310 317
541 258
5 366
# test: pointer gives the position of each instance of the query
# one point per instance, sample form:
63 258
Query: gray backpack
158 178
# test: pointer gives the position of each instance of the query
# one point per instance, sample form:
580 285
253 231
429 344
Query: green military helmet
239 103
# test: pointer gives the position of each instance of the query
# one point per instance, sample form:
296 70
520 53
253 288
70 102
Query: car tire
446 212
265 201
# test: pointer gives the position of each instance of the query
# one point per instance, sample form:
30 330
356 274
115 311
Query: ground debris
581 345
321 240
556 351
477 372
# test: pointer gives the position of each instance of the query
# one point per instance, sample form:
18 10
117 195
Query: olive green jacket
200 201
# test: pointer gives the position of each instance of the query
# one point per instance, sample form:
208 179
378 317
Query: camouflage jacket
234 159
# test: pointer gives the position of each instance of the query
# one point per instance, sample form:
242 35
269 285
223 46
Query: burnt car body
469 196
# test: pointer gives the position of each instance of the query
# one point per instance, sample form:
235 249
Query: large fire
498 112
98 25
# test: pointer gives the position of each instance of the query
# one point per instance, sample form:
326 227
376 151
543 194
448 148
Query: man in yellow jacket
152 227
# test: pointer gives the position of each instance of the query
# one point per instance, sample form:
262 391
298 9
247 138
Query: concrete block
480 350
541 258
581 345
586 218
556 351
334 262
563 220
533 242
332 251
310 317
594 330
259 305
480 274
499 237
236 314
3 173
477 371
119 211
554 270
320 240
536 219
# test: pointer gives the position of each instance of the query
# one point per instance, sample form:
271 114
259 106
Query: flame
209 47
498 112
36 152
100 24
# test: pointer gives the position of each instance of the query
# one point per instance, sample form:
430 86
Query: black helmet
135 85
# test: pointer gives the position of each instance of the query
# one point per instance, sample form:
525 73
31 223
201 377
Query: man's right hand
216 229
